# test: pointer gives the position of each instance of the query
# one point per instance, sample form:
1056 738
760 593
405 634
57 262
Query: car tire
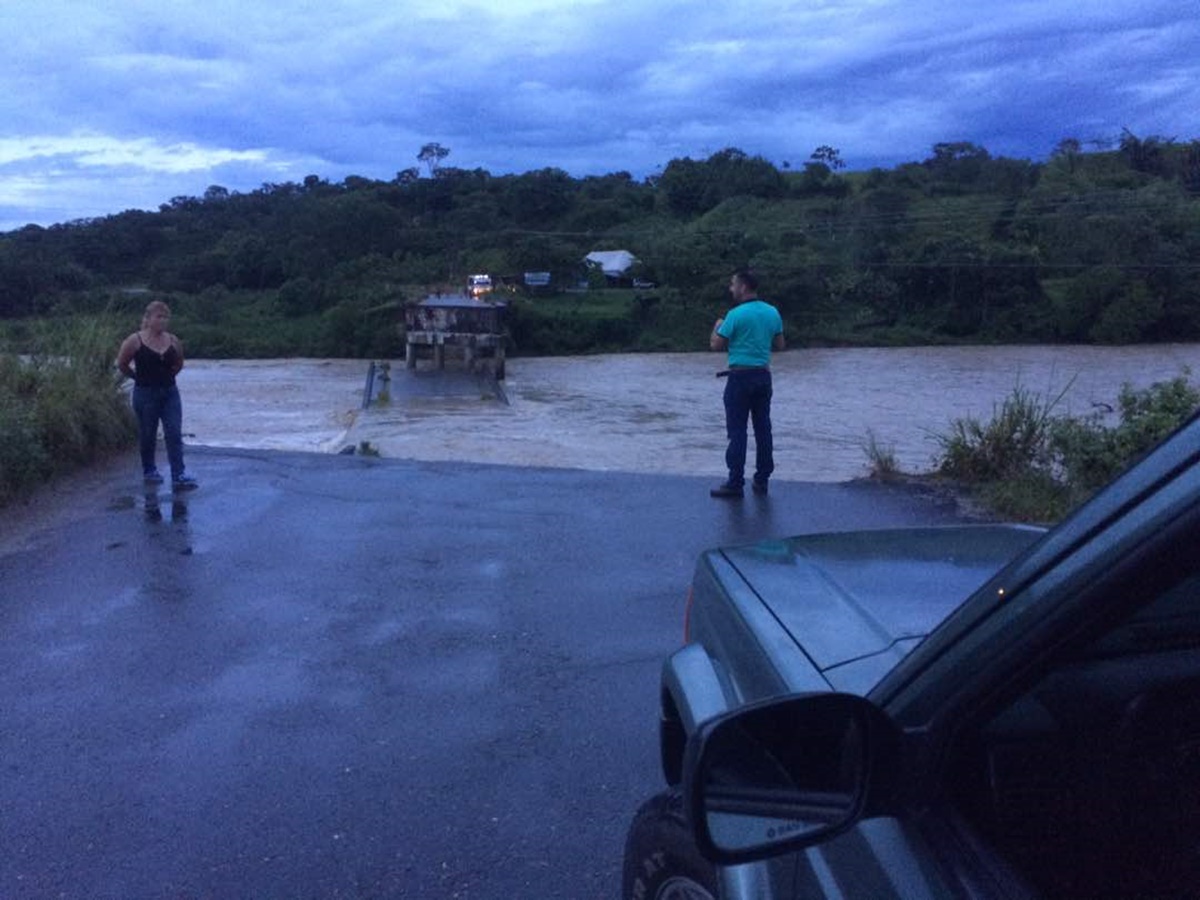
661 859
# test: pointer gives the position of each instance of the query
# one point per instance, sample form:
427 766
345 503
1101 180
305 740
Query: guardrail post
385 383
370 385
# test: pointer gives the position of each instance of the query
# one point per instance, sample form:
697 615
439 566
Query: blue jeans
748 396
152 405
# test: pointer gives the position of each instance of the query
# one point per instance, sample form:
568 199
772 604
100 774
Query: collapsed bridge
472 326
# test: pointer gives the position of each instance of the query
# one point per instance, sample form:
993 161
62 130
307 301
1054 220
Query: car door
1051 727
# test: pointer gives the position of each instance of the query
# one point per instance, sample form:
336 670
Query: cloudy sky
107 105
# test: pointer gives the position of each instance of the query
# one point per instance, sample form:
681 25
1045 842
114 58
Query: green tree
1129 315
299 297
1067 153
956 166
692 188
1148 155
828 156
541 197
432 155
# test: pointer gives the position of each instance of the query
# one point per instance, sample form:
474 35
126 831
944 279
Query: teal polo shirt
750 328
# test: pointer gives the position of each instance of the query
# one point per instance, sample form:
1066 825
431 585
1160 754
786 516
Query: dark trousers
748 397
152 405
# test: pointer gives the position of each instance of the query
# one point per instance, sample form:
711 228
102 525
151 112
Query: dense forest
1095 245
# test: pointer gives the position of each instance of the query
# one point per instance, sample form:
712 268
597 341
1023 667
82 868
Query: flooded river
655 413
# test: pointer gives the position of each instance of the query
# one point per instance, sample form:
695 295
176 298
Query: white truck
478 285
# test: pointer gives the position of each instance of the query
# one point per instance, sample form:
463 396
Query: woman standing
152 357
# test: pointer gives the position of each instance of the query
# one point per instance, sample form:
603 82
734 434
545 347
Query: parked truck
478 285
841 723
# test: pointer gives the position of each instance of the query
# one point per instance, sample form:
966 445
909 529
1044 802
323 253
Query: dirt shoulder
941 491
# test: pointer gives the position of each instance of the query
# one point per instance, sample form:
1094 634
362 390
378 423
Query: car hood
855 603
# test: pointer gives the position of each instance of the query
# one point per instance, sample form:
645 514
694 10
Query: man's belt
732 370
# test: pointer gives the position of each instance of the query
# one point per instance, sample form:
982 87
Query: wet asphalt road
330 676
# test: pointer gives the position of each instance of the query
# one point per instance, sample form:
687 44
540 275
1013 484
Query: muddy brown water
656 412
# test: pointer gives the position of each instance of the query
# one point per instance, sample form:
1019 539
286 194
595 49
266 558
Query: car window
1088 784
1172 620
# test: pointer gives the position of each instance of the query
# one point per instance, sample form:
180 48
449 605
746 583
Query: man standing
749 332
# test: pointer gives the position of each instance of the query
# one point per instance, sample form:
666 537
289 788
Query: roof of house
458 300
611 262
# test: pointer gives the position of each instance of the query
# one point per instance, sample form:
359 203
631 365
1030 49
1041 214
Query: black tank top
153 369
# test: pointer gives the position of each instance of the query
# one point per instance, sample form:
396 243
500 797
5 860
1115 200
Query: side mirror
786 774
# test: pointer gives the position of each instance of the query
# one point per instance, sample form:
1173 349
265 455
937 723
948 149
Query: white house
613 263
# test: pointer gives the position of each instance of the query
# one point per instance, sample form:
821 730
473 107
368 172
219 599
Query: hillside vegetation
960 247
1098 246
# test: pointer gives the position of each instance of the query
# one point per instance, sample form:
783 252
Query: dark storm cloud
126 103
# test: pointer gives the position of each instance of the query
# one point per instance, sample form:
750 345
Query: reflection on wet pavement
176 533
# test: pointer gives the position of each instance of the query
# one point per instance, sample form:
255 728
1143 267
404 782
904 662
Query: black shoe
759 487
725 489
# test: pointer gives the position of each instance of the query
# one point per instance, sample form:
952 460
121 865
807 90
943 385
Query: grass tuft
1029 464
881 459
61 406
